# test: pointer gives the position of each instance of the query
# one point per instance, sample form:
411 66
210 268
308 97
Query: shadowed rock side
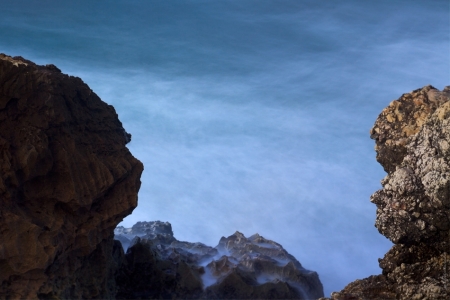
159 266
66 181
413 207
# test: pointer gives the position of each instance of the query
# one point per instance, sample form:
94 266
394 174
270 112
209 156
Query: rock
66 181
413 207
159 266
146 274
401 119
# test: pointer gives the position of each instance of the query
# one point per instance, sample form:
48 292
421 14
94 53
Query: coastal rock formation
401 119
159 266
413 208
66 181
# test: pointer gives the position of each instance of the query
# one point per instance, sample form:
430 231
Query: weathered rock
159 266
66 181
413 208
402 118
145 274
266 267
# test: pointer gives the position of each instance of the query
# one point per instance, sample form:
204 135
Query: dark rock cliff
66 181
413 208
159 266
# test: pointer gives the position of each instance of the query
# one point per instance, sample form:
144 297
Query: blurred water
249 115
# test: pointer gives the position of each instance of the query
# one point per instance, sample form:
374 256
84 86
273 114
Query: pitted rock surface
66 181
401 119
159 266
414 204
413 207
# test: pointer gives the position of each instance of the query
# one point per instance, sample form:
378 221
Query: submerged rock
159 266
413 207
66 181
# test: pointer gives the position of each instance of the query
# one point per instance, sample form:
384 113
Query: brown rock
413 207
402 118
66 181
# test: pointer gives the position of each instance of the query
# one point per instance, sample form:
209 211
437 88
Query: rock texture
159 266
413 208
66 180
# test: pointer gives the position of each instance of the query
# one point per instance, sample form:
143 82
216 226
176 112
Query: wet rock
149 275
267 266
159 266
413 207
66 181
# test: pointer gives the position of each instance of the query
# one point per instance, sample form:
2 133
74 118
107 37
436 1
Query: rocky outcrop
413 208
403 118
66 181
159 266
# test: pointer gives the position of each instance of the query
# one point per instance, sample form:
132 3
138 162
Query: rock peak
401 119
239 234
15 61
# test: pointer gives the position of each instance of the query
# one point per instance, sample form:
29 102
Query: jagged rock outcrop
159 266
413 208
66 181
401 119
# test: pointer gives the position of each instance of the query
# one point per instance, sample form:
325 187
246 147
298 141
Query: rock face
413 208
159 266
400 120
66 180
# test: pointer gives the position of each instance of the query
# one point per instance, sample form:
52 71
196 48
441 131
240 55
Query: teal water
249 115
